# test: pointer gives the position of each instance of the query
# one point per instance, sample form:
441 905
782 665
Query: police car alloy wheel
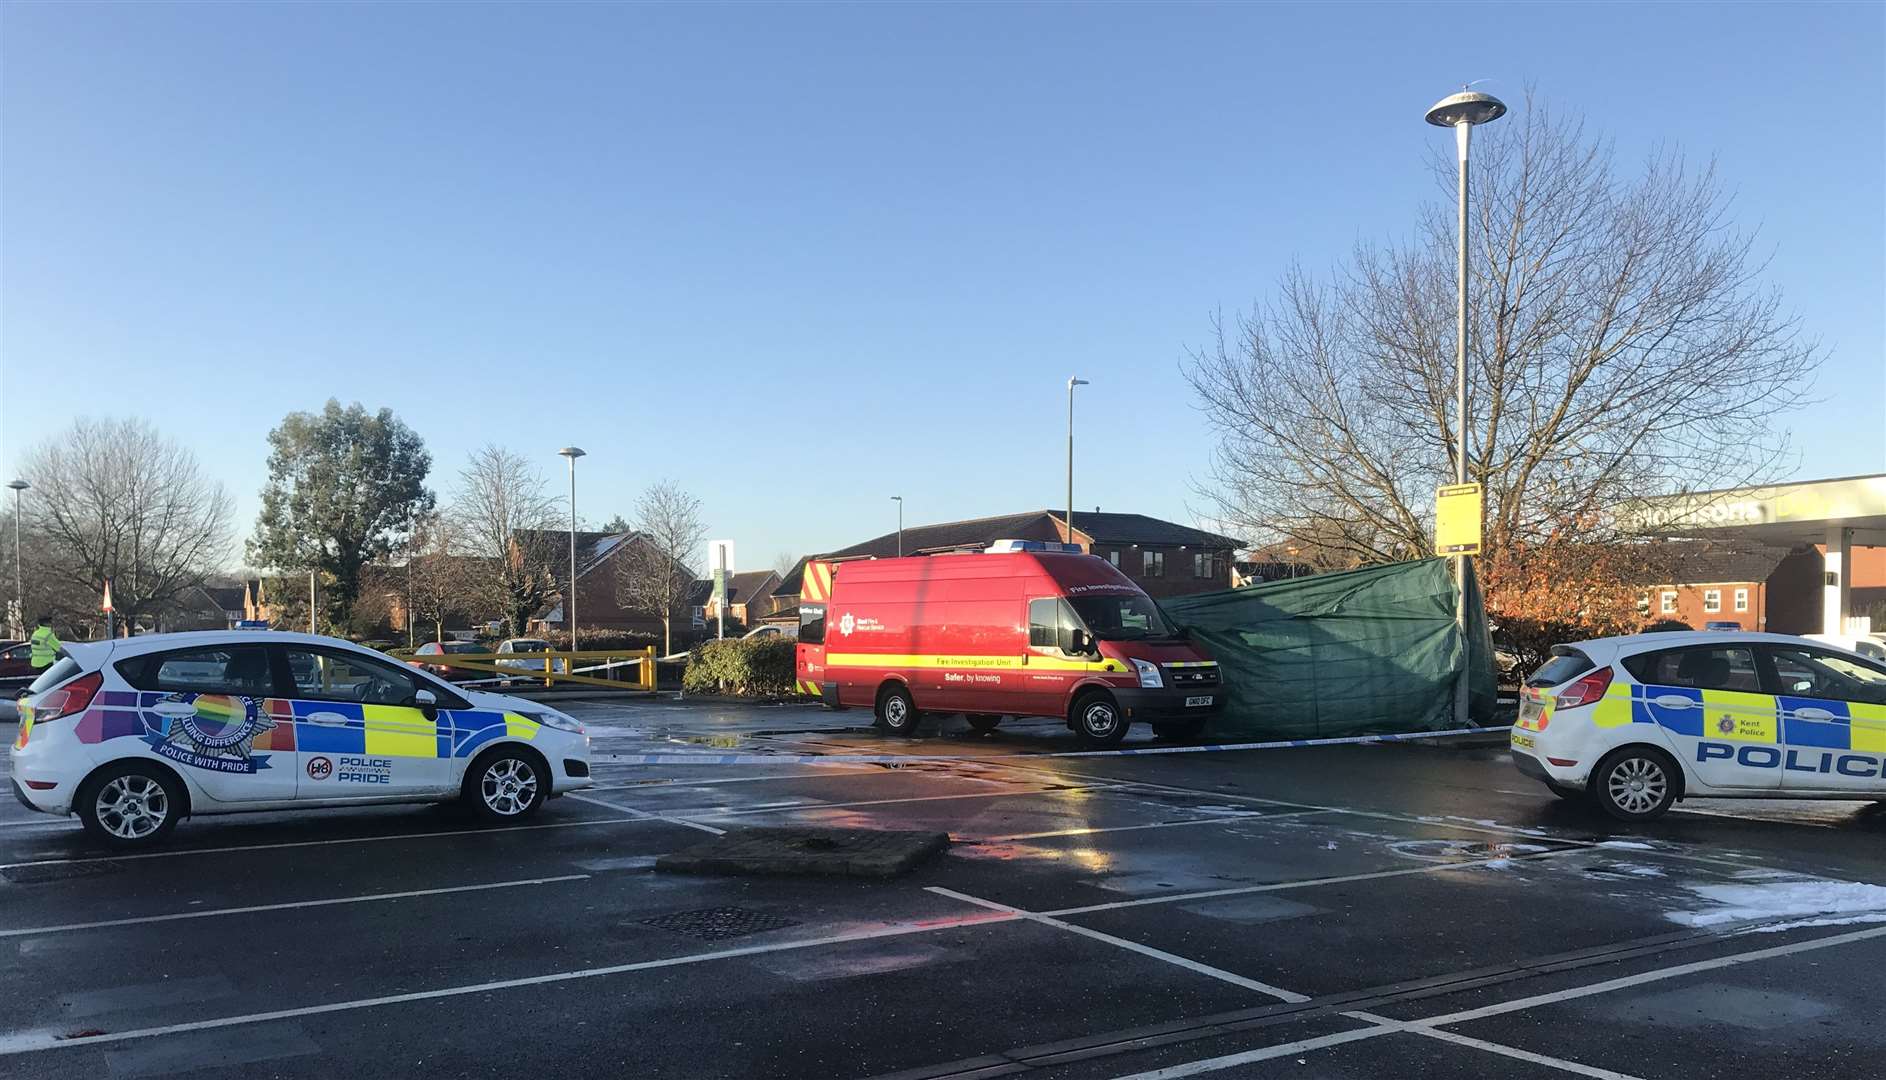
130 806
1097 720
1635 784
507 785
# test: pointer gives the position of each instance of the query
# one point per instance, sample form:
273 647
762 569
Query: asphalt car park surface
1352 911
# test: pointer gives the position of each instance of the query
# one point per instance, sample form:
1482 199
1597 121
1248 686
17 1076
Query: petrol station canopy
1836 514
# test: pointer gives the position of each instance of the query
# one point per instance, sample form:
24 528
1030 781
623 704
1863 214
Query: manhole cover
719 923
1467 850
34 875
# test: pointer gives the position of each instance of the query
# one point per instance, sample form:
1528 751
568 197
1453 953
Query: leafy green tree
345 488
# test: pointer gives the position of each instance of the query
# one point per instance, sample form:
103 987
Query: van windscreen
812 624
1122 618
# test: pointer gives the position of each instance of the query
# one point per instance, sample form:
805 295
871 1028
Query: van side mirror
1077 642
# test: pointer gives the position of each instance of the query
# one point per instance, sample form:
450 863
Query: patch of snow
1845 920
1765 875
1740 903
1628 845
1498 864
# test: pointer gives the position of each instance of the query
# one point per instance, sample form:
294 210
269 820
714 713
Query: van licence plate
1191 701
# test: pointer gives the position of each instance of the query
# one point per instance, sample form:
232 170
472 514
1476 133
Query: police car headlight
1149 677
555 720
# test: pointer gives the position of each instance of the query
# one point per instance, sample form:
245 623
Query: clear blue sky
803 258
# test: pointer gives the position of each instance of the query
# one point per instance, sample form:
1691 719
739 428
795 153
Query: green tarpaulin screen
1363 652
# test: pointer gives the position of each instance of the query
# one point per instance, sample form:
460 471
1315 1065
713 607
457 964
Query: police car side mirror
425 699
1803 686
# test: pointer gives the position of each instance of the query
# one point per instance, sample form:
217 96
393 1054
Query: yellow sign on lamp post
1457 519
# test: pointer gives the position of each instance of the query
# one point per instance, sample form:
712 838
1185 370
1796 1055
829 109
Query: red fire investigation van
1025 628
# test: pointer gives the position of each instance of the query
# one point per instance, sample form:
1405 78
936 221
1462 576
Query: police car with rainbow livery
1636 723
135 733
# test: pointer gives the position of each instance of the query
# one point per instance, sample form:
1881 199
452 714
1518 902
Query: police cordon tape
876 759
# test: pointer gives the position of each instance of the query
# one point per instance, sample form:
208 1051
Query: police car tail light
74 697
1586 690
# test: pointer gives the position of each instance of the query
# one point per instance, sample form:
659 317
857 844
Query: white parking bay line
1310 883
1657 975
1131 946
28 1042
1424 1026
644 815
439 834
367 898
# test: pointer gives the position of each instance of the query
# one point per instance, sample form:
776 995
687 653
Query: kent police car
135 733
1638 722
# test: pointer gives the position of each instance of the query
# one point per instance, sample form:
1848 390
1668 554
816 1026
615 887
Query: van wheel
506 784
1637 783
1098 721
898 714
982 725
130 805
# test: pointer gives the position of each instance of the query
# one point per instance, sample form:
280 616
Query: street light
899 500
19 578
1071 384
1461 112
569 603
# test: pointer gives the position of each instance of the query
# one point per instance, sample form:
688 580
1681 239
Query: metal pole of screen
899 500
569 605
1071 384
1461 112
311 628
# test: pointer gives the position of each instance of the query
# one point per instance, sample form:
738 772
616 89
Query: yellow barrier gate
551 665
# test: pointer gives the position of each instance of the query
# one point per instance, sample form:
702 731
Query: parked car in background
772 631
448 648
526 645
1872 646
16 666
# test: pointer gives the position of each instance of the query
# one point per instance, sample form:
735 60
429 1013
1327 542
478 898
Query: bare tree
503 515
1623 346
657 573
440 579
784 563
116 499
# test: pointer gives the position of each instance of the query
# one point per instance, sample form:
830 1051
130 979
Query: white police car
135 733
1638 722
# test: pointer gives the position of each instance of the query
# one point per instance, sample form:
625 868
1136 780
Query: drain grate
30 874
719 923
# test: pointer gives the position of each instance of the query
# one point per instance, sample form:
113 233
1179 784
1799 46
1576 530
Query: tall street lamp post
1461 112
19 578
1071 384
569 604
899 500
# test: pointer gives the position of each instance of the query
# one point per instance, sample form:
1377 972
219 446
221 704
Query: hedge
755 667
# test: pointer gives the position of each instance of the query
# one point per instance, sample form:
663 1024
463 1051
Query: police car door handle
1811 713
327 719
1674 701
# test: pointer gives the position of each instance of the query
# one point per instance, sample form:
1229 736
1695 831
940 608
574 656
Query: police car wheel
506 784
130 805
1636 783
982 725
1098 721
898 714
